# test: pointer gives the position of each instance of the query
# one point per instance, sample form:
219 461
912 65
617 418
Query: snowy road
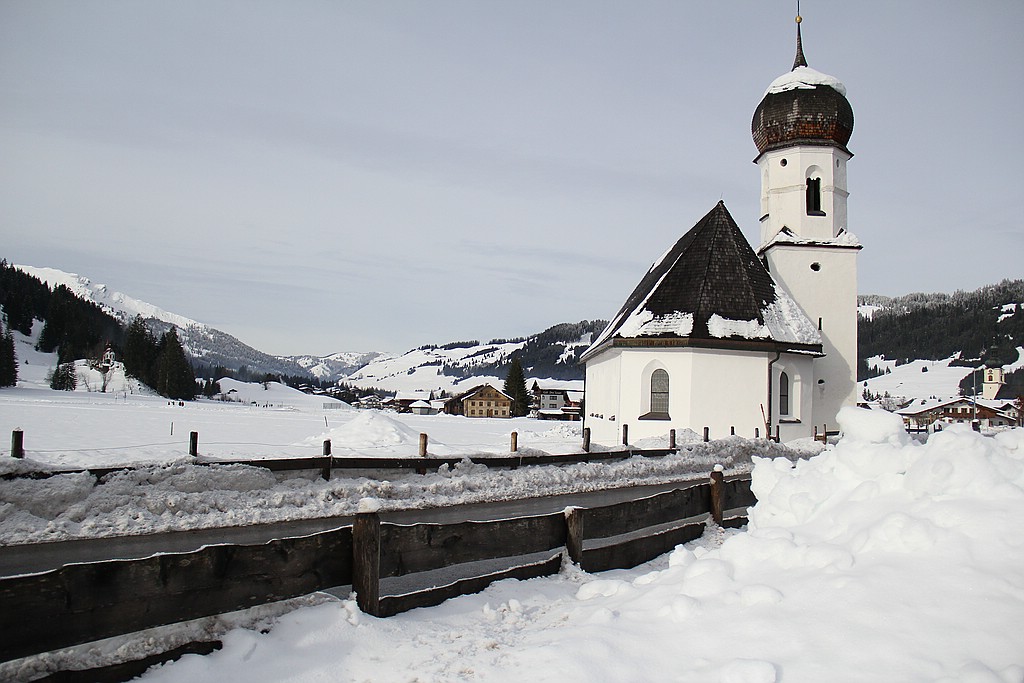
39 557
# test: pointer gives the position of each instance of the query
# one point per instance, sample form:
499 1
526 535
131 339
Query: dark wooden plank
422 547
126 671
738 493
633 552
395 604
366 553
734 522
575 533
661 508
83 602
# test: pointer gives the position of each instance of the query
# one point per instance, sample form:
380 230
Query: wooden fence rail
327 463
80 603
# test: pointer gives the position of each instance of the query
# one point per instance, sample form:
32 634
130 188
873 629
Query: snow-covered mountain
337 365
203 343
548 354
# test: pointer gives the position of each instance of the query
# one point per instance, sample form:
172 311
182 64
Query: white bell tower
801 128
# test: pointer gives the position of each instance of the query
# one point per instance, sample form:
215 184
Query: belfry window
783 394
814 197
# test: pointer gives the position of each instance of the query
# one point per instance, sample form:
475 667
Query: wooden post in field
707 434
672 439
625 435
757 433
193 444
815 432
586 439
717 494
325 470
17 444
732 431
515 442
366 562
574 535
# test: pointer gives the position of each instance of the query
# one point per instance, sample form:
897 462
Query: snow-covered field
878 560
130 426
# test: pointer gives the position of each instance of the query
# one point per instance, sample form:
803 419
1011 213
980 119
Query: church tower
801 129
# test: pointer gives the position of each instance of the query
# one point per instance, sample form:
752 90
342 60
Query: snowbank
879 559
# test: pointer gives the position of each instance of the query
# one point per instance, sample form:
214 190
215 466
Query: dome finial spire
800 59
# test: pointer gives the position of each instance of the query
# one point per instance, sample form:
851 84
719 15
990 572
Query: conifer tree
140 351
515 386
174 377
8 359
64 377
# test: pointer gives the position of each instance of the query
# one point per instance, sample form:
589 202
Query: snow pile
373 430
877 560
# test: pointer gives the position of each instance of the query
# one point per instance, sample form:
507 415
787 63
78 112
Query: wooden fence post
777 434
366 562
193 444
17 444
586 439
325 471
515 442
732 431
574 534
717 494
757 433
625 435
707 434
423 445
672 439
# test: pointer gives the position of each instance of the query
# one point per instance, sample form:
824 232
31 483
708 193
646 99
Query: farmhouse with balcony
480 401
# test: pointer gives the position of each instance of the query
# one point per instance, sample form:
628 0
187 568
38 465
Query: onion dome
803 107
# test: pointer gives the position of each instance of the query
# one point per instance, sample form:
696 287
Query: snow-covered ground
878 560
917 379
128 425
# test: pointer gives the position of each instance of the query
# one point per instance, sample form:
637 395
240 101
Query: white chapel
721 336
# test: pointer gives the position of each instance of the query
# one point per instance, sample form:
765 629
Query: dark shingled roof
711 270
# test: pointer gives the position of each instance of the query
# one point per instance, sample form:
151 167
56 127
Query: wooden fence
80 603
326 463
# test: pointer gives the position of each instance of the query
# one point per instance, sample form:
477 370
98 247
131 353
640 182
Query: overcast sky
314 177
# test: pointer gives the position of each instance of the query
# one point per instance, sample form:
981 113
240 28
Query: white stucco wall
783 191
827 293
710 388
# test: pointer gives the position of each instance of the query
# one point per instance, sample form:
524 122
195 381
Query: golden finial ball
799 18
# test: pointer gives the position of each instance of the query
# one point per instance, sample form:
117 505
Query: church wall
727 389
783 191
602 397
828 293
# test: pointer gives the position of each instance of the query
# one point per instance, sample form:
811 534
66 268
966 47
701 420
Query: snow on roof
710 285
419 404
804 78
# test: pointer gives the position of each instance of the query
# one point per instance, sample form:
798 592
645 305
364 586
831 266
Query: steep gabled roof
711 286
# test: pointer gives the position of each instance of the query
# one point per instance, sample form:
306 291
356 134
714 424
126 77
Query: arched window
783 394
814 197
659 391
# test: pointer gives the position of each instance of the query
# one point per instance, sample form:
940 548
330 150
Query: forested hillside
984 326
